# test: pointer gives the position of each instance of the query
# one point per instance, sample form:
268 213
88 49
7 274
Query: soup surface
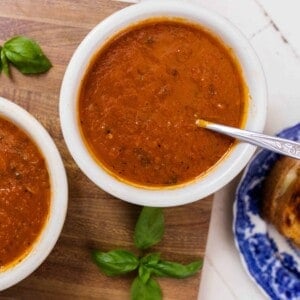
144 90
24 194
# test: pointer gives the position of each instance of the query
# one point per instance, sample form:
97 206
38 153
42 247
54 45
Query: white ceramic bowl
59 193
219 175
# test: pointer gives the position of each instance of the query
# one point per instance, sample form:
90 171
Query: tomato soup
24 194
142 93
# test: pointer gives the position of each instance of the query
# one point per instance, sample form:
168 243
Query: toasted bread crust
281 200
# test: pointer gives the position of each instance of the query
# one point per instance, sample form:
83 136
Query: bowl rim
59 198
237 158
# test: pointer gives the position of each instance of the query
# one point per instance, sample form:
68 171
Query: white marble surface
273 29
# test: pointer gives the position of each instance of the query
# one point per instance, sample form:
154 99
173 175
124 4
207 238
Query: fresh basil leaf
4 63
145 291
175 270
149 228
26 55
115 262
151 264
144 273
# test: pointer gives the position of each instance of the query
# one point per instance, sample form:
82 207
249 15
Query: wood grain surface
95 219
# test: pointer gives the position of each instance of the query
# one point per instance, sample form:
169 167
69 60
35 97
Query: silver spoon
276 144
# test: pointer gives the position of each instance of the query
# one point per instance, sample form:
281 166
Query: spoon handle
279 145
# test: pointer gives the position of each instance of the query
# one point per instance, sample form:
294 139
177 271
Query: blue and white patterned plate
271 260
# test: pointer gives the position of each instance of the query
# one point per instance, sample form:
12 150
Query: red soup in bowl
24 194
142 93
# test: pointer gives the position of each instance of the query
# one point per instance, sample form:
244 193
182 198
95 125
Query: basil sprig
149 231
116 262
25 55
173 269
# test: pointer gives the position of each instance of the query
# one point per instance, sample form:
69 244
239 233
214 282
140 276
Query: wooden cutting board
95 219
